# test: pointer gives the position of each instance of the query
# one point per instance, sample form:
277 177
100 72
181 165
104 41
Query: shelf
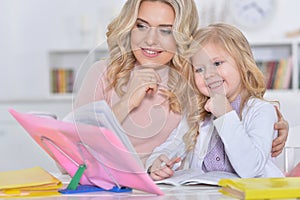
272 52
65 64
79 60
277 51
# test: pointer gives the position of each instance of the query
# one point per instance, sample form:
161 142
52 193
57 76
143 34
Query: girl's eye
218 63
199 69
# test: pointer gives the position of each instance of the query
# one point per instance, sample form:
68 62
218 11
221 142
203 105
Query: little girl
235 132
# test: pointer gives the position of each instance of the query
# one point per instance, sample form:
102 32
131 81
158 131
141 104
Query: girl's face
152 41
215 71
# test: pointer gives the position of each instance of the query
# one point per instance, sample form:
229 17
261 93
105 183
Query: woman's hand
162 167
283 128
143 82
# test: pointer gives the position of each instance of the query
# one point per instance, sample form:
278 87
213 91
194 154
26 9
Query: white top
247 143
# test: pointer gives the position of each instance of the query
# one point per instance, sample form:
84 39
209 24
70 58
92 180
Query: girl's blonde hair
122 60
236 45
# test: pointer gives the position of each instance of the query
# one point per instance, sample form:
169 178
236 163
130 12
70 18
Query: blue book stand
74 186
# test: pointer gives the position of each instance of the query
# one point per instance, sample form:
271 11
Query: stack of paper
261 188
33 181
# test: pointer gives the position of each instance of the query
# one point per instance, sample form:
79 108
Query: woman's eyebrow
144 21
160 25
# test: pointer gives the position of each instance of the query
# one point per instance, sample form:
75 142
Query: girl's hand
162 167
283 128
218 105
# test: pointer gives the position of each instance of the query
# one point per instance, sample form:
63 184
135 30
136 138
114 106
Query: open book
194 177
94 138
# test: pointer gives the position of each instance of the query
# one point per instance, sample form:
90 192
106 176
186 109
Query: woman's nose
152 37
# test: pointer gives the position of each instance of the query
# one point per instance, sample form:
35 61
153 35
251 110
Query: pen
176 165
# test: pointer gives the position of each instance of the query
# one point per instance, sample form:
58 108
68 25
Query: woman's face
152 40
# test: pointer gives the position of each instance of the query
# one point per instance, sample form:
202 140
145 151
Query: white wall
284 20
30 28
29 31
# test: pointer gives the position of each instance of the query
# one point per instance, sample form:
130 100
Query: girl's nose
210 71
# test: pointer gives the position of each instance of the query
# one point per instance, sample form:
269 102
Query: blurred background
30 29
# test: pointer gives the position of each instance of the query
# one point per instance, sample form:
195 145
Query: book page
210 178
194 177
100 114
178 177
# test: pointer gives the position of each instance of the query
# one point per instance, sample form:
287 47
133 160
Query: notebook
33 181
261 188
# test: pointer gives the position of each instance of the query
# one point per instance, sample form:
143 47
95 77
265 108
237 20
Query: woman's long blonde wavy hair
231 40
122 60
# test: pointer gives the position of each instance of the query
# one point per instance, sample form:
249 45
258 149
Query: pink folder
108 161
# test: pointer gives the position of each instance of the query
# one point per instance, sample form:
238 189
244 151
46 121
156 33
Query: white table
170 193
